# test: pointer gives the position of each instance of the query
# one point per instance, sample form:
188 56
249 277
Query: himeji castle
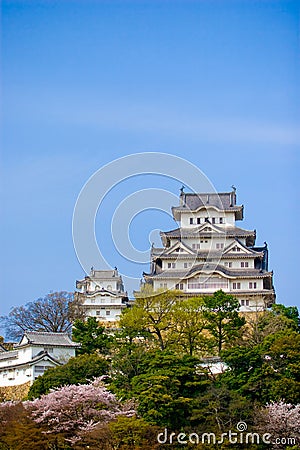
208 252
102 295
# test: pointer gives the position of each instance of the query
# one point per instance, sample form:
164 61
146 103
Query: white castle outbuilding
35 353
208 252
102 295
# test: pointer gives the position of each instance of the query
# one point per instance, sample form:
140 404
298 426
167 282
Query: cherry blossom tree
76 410
282 421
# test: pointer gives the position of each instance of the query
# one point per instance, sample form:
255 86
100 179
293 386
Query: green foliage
18 431
153 311
266 372
155 360
220 409
171 322
126 433
133 432
290 312
166 387
189 324
91 335
127 363
78 370
223 320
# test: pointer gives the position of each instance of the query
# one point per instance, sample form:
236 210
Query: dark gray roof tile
51 339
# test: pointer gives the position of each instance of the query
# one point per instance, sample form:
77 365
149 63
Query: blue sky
86 82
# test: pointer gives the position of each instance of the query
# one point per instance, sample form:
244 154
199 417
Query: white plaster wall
114 314
228 218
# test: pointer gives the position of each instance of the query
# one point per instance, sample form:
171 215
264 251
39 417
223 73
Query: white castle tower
209 252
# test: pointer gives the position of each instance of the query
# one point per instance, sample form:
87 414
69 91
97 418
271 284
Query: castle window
48 349
252 285
40 369
169 265
244 264
198 246
213 220
191 221
198 220
242 302
221 220
236 285
108 312
194 246
206 219
185 265
97 313
219 245
173 265
208 283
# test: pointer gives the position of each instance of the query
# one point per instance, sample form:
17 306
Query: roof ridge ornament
182 196
233 196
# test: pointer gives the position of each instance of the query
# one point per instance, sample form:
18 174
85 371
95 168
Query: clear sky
86 82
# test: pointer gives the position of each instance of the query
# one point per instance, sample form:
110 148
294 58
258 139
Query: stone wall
14 392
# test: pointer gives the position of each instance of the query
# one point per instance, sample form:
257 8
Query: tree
223 321
18 431
282 354
189 324
91 335
268 371
281 420
77 370
125 433
290 312
50 313
219 409
278 318
133 327
127 362
166 388
77 410
154 313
